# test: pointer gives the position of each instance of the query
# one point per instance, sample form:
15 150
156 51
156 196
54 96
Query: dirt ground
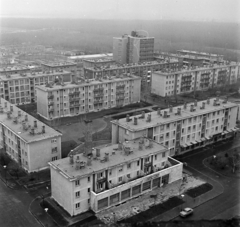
75 131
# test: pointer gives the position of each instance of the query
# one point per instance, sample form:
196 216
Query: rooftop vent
71 159
192 108
203 106
149 118
208 101
32 132
195 103
185 106
135 121
98 152
43 129
165 114
35 124
159 111
178 111
170 109
26 117
216 102
9 115
142 115
11 108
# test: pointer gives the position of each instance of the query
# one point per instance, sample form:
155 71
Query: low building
20 88
31 143
182 128
97 63
66 66
14 69
71 99
189 79
111 175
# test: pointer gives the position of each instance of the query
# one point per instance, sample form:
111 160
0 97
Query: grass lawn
154 211
195 192
222 162
35 177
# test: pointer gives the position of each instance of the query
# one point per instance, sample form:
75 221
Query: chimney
9 115
77 164
179 111
214 102
26 117
192 108
195 102
127 118
89 161
140 145
106 157
72 78
165 114
11 108
35 124
149 118
98 152
19 113
203 105
5 104
120 146
208 101
135 121
225 100
71 159
32 131
43 129
217 98
143 114
185 106
159 111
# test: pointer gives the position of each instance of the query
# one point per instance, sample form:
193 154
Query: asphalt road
226 205
14 207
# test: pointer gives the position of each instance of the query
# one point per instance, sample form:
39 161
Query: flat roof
131 65
198 52
14 123
32 75
91 56
57 64
99 60
157 119
13 68
194 69
117 157
85 83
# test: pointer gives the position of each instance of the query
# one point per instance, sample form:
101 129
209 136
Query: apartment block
15 69
66 66
182 128
70 99
20 88
139 69
111 174
189 79
29 142
133 48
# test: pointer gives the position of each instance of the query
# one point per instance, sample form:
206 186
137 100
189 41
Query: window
120 179
166 143
129 175
110 172
127 132
77 205
167 134
54 158
129 165
54 140
77 182
163 163
138 163
88 179
120 170
163 154
77 194
88 189
155 157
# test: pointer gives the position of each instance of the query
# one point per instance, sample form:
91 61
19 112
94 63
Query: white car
186 211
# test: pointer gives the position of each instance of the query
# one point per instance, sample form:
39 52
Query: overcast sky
217 10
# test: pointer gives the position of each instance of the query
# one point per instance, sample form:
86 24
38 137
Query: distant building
97 63
188 79
213 58
15 69
182 128
20 88
66 66
31 143
70 99
111 175
133 48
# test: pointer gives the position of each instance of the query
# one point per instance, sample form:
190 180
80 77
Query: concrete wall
62 191
158 84
40 153
42 103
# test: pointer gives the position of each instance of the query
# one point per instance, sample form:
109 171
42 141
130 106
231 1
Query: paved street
227 204
14 206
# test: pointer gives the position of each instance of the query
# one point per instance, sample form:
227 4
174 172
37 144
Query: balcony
50 97
50 103
101 180
131 188
50 110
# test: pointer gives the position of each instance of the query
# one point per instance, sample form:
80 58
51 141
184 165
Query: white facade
26 140
72 99
20 88
111 175
181 128
168 83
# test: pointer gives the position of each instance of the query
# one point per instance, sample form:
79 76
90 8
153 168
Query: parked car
186 211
